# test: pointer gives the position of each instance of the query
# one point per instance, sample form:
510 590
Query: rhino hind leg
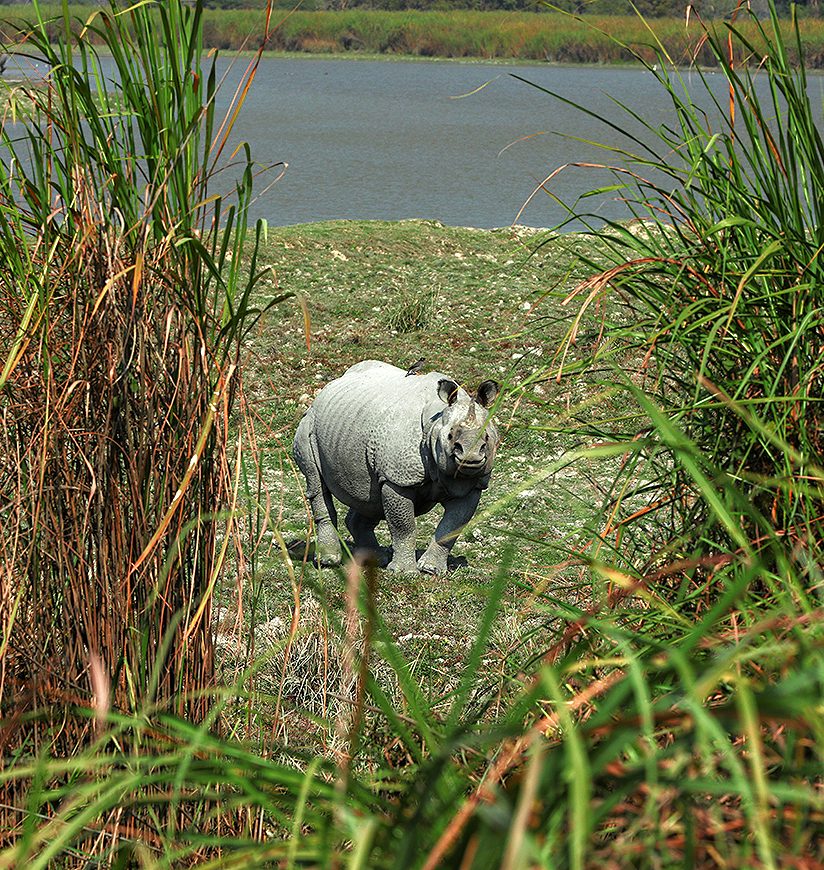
327 549
362 529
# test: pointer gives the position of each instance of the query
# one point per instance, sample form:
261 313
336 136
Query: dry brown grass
121 320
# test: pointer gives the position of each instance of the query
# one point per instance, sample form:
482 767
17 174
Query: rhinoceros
391 446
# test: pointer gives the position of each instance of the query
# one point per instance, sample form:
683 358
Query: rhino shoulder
396 451
397 445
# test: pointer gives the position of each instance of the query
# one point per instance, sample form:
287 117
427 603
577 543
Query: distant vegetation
453 33
493 35
647 8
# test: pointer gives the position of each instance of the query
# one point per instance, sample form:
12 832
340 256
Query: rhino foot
402 566
327 550
379 556
433 563
383 557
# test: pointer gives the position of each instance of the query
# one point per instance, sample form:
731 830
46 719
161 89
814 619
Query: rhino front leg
399 510
456 514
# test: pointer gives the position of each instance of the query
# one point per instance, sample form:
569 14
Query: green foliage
601 36
636 720
673 8
721 276
711 319
551 37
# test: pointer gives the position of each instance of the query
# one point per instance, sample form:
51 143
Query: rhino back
368 429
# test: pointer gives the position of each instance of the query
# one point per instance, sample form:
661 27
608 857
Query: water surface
463 143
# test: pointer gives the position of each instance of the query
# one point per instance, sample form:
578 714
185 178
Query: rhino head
463 439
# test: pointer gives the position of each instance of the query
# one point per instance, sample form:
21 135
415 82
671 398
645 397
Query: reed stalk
124 298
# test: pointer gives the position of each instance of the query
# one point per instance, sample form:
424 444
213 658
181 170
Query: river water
462 143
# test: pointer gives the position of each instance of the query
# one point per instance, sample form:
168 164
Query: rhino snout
470 450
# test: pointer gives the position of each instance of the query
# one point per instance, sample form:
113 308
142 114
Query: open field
471 302
521 36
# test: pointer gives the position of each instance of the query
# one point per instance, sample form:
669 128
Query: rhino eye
449 437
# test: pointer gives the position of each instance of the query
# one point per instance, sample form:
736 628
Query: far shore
417 58
461 35
367 57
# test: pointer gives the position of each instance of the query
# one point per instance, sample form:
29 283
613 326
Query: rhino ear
447 390
487 392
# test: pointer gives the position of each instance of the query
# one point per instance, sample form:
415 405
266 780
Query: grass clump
414 312
123 305
720 280
709 318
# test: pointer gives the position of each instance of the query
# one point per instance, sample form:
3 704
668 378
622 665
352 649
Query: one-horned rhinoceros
391 447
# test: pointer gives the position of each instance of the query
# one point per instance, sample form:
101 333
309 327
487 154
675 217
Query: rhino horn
470 414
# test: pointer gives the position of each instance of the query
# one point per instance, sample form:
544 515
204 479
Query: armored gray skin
392 447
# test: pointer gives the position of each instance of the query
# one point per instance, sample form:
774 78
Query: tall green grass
720 280
125 294
710 317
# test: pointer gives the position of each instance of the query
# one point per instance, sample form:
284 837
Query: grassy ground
477 304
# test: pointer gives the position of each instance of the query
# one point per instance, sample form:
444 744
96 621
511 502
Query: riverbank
467 34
